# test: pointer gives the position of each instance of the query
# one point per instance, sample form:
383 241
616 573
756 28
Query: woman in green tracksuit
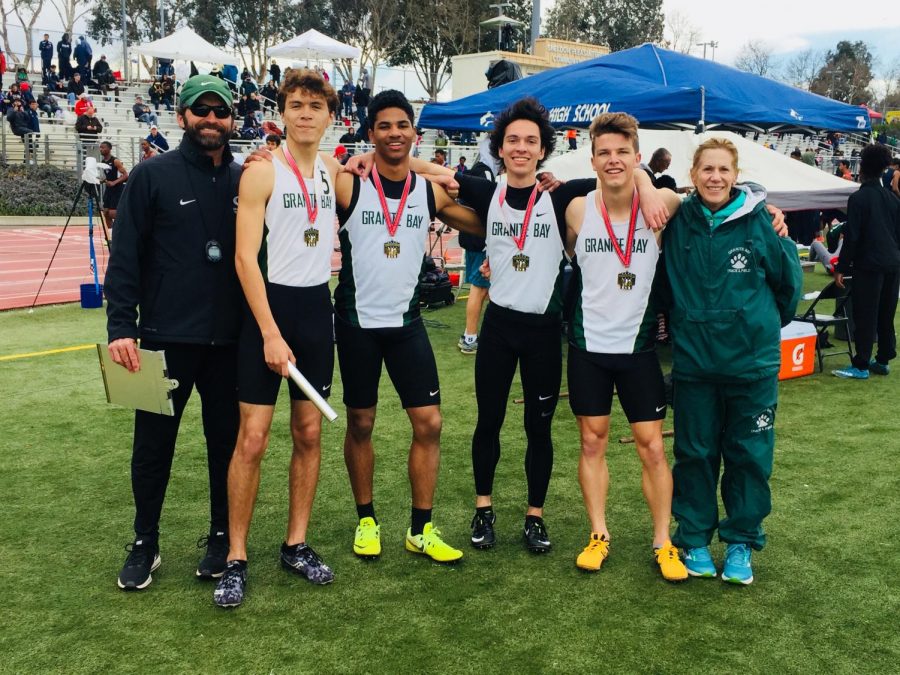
731 283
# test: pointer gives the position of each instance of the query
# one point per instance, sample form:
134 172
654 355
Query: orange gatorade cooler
798 350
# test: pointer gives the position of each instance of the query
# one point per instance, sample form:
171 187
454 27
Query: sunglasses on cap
221 111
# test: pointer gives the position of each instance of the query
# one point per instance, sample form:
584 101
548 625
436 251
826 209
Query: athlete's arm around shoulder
455 215
574 218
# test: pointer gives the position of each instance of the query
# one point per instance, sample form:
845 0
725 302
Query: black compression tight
509 338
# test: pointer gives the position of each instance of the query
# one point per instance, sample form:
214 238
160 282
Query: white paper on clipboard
148 389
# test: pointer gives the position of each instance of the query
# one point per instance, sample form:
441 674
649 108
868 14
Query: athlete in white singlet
285 237
611 338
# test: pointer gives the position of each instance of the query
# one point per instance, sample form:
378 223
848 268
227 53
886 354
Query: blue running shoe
699 562
851 373
737 568
879 368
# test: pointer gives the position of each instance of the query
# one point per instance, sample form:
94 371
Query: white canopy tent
185 45
791 184
314 45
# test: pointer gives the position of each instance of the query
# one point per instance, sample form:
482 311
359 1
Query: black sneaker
483 529
536 538
143 558
230 589
301 559
213 564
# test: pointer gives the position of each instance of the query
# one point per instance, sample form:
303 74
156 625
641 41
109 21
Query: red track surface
25 253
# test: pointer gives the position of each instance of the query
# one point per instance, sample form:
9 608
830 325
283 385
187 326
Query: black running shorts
637 378
406 353
304 317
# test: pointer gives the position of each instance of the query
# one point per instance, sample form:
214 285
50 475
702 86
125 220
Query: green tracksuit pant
731 424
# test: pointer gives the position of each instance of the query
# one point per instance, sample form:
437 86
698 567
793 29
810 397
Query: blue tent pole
701 126
91 244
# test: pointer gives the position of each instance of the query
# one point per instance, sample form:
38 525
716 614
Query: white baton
311 393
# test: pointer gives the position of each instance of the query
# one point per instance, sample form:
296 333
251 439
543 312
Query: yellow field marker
76 348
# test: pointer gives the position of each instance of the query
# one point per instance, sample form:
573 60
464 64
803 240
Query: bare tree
6 8
890 86
370 25
27 11
756 57
802 68
70 11
681 33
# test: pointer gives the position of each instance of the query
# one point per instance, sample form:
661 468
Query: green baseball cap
198 85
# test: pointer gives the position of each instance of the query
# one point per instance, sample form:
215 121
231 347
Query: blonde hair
716 144
615 123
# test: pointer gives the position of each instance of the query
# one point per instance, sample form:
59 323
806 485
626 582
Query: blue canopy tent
663 89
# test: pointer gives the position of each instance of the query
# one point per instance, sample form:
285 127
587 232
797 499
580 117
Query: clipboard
148 389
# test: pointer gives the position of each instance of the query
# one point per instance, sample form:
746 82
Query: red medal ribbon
392 224
520 240
311 211
625 258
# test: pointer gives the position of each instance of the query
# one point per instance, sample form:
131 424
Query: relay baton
311 393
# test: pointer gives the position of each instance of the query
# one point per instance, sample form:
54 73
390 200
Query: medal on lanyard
625 279
310 234
520 261
391 247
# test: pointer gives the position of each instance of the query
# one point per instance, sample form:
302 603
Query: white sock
469 338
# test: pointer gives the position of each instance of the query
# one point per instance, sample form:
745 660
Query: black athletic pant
874 304
532 341
213 370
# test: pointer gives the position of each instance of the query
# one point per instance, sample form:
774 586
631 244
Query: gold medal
520 262
311 237
626 281
392 249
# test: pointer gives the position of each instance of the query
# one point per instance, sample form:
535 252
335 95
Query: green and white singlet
293 252
536 288
612 313
378 286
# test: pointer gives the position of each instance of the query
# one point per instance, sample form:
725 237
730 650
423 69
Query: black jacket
872 232
64 50
46 49
158 268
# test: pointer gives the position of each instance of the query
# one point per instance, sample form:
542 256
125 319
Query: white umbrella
314 45
185 45
500 21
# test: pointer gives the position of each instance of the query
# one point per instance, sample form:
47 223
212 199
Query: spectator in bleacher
269 128
21 75
251 128
83 57
81 105
253 106
142 112
248 86
461 167
168 92
64 56
53 82
49 104
27 93
147 150
341 154
572 137
104 77
348 140
273 141
156 93
275 73
843 170
75 88
19 122
245 73
440 157
347 92
164 68
361 98
441 141
828 252
156 139
46 50
11 97
89 126
269 95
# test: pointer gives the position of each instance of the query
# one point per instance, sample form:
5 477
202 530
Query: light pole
125 70
710 43
499 7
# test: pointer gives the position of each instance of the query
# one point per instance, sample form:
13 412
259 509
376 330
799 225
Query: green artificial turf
826 596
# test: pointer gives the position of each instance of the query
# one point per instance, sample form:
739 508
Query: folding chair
822 322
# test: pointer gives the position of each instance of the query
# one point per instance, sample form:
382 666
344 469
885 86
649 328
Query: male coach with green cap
171 284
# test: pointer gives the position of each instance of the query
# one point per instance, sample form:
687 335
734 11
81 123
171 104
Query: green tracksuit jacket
729 289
